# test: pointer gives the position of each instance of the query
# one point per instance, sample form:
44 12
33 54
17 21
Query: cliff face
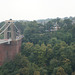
9 51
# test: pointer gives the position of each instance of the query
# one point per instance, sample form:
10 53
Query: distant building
55 28
73 21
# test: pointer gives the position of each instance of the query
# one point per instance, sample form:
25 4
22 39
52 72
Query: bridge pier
9 51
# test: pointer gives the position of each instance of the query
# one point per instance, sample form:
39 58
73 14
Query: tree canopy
44 50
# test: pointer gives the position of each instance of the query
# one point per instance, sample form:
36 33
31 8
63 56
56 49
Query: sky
36 9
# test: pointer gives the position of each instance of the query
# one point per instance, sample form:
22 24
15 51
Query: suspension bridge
10 31
11 42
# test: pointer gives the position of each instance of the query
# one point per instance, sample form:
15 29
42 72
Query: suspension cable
5 29
16 27
2 26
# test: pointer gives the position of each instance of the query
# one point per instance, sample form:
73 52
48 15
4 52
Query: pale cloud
36 9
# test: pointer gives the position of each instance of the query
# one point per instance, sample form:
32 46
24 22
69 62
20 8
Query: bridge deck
9 40
5 41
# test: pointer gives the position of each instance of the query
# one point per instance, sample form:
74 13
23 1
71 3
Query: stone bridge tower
10 32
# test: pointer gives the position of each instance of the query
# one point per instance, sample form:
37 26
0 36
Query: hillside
48 48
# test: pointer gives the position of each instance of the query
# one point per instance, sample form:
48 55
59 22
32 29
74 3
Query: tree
36 73
73 73
60 71
28 48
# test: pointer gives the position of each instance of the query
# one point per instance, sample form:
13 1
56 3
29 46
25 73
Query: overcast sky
36 9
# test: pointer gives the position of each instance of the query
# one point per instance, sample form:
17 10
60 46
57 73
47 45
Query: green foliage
50 57
19 66
44 52
1 36
60 71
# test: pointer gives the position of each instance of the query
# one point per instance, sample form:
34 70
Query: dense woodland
44 52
